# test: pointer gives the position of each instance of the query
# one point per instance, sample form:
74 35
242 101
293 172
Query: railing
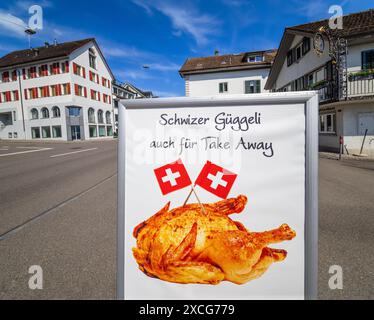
360 85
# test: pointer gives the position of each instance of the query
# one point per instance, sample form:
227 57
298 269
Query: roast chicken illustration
195 244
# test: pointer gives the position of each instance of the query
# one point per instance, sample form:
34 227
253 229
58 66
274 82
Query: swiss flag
216 180
172 177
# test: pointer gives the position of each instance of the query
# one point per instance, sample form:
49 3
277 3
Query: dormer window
92 57
255 58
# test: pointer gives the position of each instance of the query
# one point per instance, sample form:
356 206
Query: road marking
53 209
23 152
65 154
27 148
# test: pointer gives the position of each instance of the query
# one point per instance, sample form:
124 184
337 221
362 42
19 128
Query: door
75 133
366 121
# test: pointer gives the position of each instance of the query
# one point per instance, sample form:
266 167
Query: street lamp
29 33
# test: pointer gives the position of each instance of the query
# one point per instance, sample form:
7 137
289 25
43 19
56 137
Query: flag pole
201 205
188 197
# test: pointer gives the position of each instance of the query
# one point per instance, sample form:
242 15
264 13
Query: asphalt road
58 210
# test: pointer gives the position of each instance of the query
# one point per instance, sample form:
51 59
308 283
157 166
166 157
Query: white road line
23 152
65 154
27 148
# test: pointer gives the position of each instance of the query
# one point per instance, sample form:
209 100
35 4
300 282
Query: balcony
360 84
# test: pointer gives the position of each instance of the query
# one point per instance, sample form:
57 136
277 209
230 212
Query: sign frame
310 101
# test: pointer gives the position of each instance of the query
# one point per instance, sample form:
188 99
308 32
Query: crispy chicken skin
188 245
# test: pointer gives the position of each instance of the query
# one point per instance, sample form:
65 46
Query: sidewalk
349 160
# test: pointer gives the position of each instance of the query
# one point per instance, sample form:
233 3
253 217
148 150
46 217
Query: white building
242 73
346 95
60 91
126 91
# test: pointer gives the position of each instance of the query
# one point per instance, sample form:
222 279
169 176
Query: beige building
346 93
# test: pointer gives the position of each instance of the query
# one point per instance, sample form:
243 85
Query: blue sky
162 33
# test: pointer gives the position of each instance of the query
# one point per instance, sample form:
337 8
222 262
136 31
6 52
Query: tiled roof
353 24
227 61
42 53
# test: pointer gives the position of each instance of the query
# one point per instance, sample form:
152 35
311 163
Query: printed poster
215 203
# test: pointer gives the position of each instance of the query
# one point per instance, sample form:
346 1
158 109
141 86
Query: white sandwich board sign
217 198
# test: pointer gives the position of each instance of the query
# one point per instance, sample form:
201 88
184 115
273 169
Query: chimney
55 42
46 44
216 52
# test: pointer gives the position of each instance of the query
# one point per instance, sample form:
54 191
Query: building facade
122 91
339 64
59 91
243 73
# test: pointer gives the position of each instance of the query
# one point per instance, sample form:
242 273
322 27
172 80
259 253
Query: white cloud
164 94
164 67
11 25
185 19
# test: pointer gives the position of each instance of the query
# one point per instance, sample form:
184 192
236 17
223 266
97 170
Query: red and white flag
216 180
172 177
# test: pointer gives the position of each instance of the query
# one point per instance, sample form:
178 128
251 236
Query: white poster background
275 187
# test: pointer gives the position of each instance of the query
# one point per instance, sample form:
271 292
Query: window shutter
75 68
24 74
67 66
110 100
14 75
0 98
84 72
25 92
258 86
17 95
97 79
68 90
76 89
85 92
98 96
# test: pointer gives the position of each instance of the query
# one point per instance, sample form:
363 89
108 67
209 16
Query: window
80 91
92 58
65 67
45 113
305 45
55 68
368 60
44 92
56 112
74 111
327 123
43 70
298 52
56 132
102 131
91 115
257 58
5 77
79 70
252 86
34 114
223 87
100 116
31 73
14 75
66 89
108 117
46 132
109 131
93 131
289 58
35 133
